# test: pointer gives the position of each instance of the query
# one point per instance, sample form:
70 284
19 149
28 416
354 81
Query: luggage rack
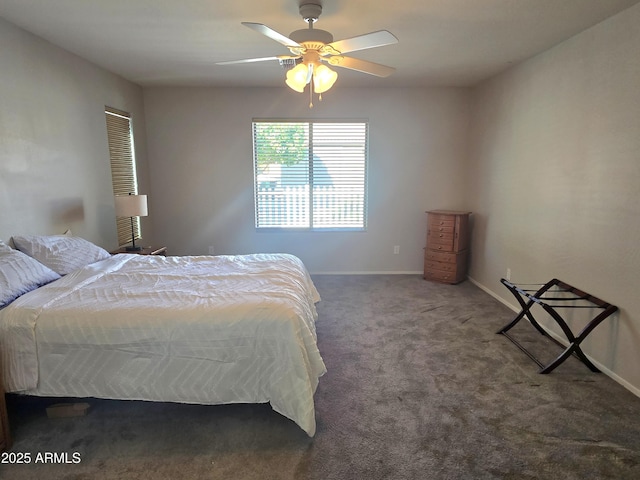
546 295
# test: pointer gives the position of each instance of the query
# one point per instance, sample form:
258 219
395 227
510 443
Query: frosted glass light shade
131 205
298 77
323 78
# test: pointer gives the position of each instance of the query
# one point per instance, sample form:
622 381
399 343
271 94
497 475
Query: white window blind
310 174
123 167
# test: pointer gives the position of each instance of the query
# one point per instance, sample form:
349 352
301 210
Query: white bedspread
207 330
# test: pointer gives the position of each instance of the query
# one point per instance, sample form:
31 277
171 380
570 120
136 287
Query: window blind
310 174
123 167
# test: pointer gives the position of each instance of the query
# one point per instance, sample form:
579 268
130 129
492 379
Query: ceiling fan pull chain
311 94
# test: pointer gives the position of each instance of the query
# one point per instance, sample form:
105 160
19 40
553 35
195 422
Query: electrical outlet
508 274
396 249
211 250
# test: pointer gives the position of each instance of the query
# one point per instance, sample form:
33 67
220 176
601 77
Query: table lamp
131 206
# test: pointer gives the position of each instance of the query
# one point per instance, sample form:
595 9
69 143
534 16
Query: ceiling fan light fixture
298 77
310 47
323 78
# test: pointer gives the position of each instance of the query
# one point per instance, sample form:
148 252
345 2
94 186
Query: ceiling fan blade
368 40
363 66
272 34
247 60
263 59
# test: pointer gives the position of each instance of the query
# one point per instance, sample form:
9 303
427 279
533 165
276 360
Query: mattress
193 329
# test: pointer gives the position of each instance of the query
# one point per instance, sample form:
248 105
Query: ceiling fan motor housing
311 38
311 35
310 12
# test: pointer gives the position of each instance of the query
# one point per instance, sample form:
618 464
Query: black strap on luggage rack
569 297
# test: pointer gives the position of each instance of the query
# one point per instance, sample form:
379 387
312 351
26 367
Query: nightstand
5 433
145 251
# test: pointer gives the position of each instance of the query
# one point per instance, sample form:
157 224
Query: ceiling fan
311 48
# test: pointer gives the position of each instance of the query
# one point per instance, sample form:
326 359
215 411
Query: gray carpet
418 387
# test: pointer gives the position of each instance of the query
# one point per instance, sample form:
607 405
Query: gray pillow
20 274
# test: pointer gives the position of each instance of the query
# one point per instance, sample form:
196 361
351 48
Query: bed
193 329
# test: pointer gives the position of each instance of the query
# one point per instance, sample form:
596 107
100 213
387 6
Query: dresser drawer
443 267
440 245
436 220
445 238
441 229
441 276
442 257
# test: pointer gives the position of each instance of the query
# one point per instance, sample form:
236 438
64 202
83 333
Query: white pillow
4 248
61 253
20 274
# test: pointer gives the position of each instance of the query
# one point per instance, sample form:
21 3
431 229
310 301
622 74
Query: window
123 167
310 175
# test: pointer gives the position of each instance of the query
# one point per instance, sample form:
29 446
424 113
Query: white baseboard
368 273
493 294
632 388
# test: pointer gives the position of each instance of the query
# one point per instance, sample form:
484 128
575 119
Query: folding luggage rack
550 296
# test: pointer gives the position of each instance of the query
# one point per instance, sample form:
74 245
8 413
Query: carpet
418 386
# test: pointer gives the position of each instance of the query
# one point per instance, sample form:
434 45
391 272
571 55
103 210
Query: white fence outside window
288 207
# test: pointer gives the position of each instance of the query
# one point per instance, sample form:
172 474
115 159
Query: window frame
310 156
124 176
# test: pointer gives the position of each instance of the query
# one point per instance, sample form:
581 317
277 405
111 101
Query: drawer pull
441 235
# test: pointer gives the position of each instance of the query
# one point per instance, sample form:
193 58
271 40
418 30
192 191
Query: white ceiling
178 42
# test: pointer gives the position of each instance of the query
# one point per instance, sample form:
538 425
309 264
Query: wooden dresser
5 434
447 251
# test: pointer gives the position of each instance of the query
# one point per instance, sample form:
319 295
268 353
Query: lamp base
133 249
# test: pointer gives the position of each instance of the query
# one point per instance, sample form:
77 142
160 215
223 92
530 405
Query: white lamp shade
323 78
298 77
131 206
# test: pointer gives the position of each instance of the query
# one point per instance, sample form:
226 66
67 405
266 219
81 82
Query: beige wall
554 179
200 156
54 158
